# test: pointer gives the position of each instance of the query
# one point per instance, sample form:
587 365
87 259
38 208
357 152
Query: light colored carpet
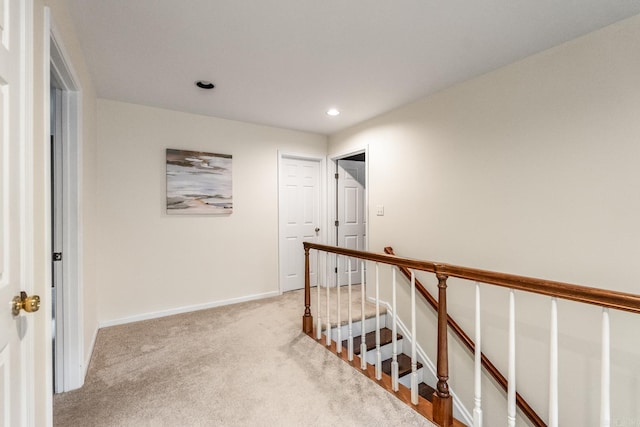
243 365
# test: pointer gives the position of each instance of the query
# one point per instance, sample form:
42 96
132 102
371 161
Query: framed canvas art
198 183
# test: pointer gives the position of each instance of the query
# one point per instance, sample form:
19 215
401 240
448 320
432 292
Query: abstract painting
198 183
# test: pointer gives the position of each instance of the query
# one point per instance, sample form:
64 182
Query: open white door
352 214
15 329
300 199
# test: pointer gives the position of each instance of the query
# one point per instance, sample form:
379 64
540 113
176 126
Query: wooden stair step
370 340
426 391
404 365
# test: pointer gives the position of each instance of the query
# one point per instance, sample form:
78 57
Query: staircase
425 391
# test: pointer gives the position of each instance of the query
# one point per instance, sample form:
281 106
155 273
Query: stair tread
404 365
426 391
370 340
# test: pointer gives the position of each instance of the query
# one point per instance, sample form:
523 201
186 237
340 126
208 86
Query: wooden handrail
468 342
588 295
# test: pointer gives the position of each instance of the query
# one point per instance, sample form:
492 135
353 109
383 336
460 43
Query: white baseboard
89 354
186 309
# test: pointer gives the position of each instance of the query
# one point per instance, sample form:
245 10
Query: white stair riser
369 326
386 351
406 380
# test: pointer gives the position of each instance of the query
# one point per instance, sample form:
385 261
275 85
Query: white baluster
363 344
319 319
378 353
553 365
350 338
339 324
477 410
414 339
605 404
511 376
394 356
328 305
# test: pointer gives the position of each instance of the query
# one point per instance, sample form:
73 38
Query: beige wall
531 169
150 262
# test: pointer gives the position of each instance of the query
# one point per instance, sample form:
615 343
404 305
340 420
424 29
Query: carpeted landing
243 365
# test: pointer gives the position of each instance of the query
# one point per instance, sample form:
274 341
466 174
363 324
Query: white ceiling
285 62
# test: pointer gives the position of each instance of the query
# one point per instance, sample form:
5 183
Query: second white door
351 215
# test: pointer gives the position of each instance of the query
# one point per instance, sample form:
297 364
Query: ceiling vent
203 84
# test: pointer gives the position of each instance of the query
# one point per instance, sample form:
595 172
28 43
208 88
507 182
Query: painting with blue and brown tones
198 182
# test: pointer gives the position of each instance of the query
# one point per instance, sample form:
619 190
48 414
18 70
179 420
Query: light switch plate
380 210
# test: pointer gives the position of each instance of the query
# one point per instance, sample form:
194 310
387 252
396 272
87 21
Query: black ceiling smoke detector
204 84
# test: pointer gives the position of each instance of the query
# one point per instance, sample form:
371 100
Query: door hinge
337 223
57 256
336 269
337 175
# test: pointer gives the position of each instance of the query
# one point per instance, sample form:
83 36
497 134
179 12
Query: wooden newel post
442 402
307 319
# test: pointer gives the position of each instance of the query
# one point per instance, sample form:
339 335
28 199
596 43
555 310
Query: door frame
57 61
322 208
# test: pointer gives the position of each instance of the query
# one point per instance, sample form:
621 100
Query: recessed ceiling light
203 84
333 112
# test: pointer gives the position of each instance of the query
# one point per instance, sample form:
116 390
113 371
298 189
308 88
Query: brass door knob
30 304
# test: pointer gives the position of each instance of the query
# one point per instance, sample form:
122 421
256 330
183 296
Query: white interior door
13 329
352 215
299 195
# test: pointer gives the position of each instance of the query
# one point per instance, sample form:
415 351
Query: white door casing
15 331
71 370
299 218
352 215
57 276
